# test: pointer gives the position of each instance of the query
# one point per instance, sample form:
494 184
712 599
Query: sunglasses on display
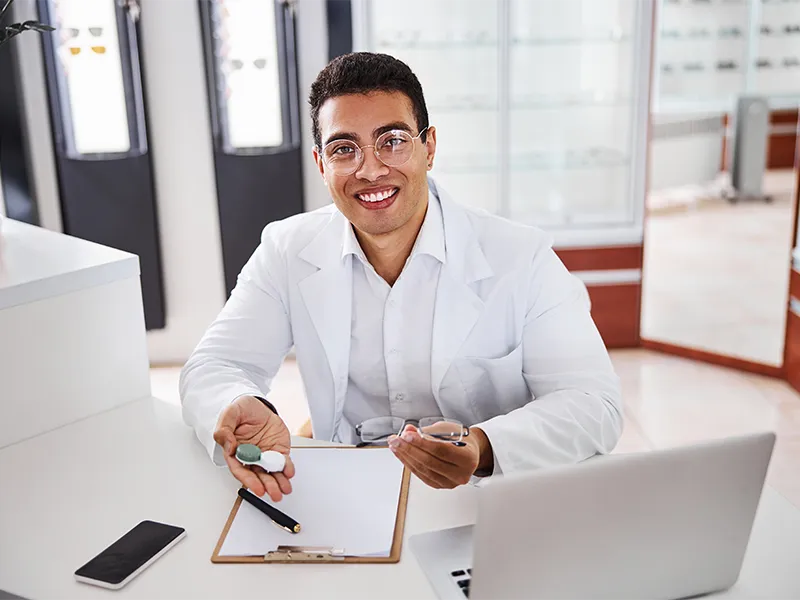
258 63
75 50
698 33
73 32
730 32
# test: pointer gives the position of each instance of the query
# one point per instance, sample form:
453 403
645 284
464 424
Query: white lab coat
514 348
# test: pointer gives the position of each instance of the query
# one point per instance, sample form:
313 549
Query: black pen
281 520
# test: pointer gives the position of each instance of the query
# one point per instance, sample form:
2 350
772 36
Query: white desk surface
67 494
36 264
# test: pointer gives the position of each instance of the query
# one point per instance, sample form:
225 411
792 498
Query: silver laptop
663 524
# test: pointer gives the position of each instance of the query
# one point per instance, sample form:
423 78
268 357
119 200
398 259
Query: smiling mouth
374 197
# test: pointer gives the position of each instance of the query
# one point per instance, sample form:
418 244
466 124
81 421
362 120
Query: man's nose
371 168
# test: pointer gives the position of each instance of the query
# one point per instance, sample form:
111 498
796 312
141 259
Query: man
401 303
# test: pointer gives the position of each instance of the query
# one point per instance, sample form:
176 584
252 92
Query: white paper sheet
343 498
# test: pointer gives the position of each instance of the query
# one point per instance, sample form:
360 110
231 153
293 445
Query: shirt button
393 351
399 397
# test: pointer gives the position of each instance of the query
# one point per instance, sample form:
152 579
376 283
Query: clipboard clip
304 554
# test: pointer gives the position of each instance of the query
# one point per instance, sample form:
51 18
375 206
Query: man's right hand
248 421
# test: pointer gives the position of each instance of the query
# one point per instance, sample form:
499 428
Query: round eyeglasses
393 148
378 430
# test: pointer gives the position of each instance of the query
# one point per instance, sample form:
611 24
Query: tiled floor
668 402
716 275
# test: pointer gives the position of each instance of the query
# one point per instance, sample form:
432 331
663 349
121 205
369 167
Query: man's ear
430 145
320 163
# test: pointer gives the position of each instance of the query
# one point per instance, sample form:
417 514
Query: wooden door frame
791 347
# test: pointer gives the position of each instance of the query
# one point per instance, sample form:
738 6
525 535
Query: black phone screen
122 558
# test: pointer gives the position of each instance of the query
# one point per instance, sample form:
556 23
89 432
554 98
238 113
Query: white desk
71 327
68 493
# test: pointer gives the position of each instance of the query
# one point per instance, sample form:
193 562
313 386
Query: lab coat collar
466 258
458 306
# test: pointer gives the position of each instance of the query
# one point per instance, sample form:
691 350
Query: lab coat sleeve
243 348
576 407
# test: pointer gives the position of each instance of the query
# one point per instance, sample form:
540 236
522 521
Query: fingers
226 425
425 465
444 451
435 460
283 482
225 438
288 469
247 477
270 485
424 471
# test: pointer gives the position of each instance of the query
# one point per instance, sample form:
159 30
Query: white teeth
376 197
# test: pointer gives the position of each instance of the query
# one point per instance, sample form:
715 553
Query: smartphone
130 555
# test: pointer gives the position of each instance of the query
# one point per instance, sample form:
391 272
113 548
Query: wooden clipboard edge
215 557
397 540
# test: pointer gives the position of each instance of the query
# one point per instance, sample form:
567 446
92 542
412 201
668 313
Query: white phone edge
124 582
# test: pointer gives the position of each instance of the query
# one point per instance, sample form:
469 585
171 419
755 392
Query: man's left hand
442 464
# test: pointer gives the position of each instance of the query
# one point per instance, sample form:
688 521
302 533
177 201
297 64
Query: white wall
312 43
183 170
37 132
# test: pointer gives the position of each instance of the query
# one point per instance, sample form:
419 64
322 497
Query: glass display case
99 91
454 51
709 52
247 74
251 68
103 184
541 105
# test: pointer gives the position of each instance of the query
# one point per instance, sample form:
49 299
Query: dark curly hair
361 73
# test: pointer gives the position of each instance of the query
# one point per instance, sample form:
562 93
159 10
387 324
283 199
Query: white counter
69 493
71 326
36 264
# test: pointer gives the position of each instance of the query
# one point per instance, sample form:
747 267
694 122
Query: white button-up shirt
390 339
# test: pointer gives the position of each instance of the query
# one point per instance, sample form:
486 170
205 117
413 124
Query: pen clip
304 554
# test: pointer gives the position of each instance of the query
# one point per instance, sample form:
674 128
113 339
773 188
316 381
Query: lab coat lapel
328 296
458 306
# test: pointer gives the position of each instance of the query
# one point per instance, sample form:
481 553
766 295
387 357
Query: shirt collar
351 245
430 239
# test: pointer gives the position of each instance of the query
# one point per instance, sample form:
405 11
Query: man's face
362 118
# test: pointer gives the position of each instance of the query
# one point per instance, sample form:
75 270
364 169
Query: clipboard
313 554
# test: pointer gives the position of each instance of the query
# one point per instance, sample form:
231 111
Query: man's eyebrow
347 135
340 135
389 126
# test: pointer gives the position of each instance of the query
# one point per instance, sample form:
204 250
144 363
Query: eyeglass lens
433 428
393 148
